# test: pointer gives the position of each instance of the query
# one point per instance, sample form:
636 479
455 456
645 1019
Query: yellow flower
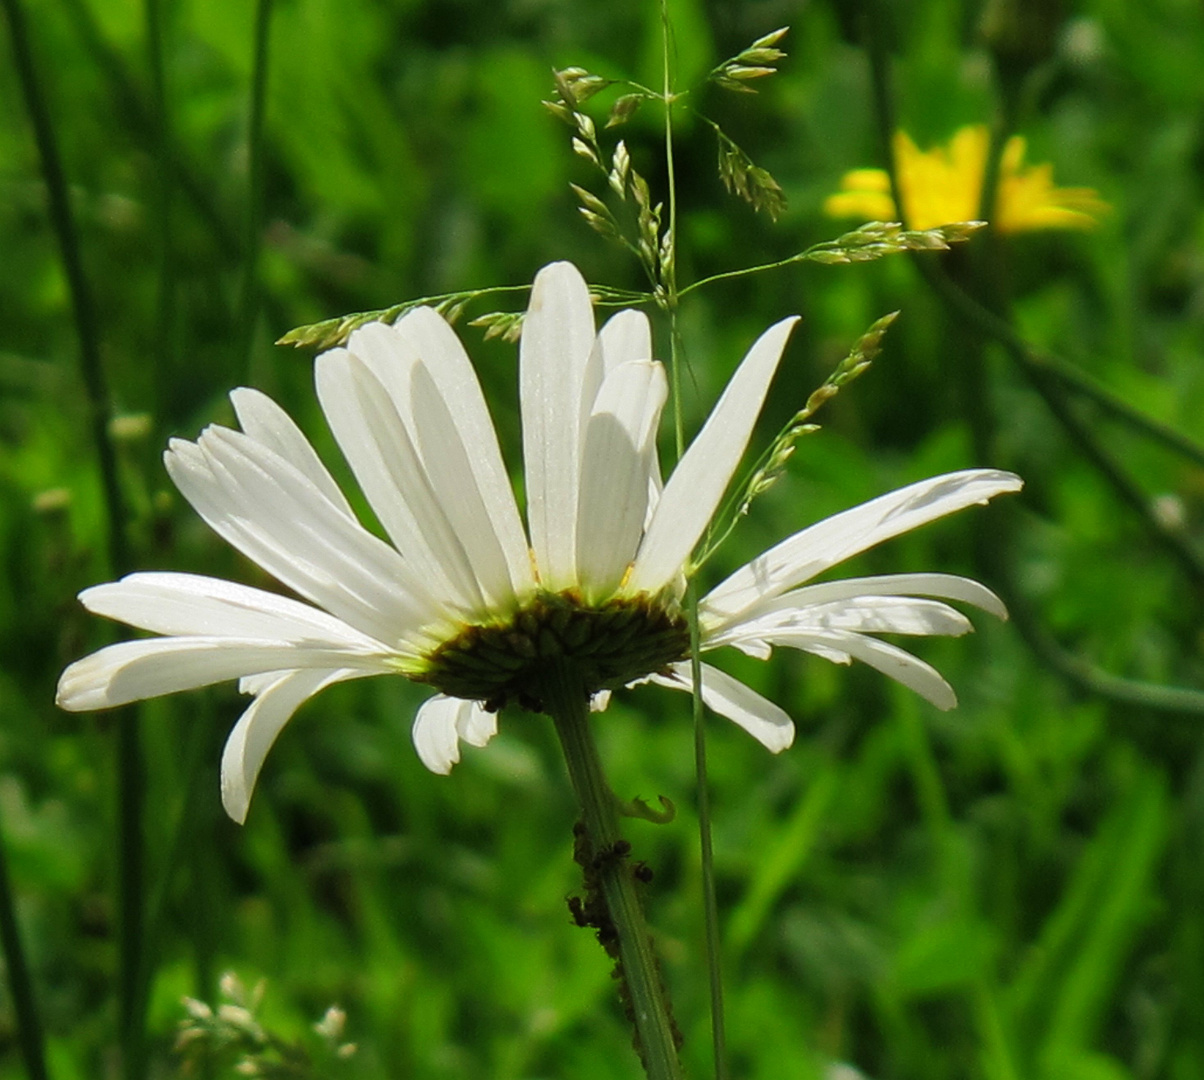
944 185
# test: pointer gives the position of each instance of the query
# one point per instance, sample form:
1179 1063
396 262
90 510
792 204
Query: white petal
449 466
268 424
435 736
946 586
387 465
810 552
614 474
626 335
558 334
889 659
474 724
701 477
863 614
251 685
435 342
134 670
274 515
389 356
760 717
256 730
188 604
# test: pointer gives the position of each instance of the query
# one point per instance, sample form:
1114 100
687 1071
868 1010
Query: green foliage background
1011 890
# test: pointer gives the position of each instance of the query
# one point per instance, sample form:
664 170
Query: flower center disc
610 645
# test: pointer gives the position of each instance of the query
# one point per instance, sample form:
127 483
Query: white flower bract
605 544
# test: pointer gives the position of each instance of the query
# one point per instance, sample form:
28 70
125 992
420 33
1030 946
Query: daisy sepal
814 550
693 491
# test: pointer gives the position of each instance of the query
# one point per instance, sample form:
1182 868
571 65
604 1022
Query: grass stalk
702 783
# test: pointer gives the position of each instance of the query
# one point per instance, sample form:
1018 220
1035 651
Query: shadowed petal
945 586
864 614
449 466
271 511
614 474
443 355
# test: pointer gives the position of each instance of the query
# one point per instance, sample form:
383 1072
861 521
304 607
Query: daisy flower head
944 185
462 596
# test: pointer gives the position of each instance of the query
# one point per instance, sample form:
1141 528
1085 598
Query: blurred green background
1012 890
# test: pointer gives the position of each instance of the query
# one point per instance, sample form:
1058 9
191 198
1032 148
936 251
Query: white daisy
464 598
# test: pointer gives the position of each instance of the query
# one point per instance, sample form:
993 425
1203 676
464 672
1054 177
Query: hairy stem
566 701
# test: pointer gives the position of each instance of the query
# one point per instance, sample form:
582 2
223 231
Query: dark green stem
566 701
20 985
129 766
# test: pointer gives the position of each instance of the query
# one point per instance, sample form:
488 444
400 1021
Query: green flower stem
566 701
